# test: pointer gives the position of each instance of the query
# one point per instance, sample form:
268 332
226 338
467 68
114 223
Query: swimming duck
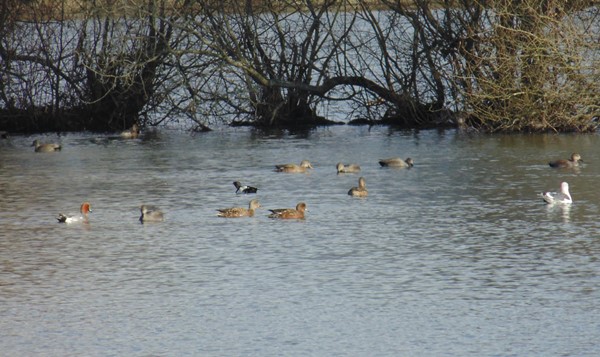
361 190
345 169
150 214
558 197
244 189
81 217
304 165
289 213
131 133
396 162
572 162
50 147
235 212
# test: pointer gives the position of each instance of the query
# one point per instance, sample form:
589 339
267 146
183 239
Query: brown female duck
361 190
235 212
304 165
570 163
289 213
396 162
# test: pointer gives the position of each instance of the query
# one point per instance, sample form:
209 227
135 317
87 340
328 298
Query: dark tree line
528 65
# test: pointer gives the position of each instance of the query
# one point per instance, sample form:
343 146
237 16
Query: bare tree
260 62
275 62
394 50
73 68
498 65
124 59
36 65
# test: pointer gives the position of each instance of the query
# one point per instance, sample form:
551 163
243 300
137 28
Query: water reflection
560 210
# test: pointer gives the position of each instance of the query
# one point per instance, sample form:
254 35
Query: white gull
558 197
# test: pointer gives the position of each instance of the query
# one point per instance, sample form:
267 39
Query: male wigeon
49 147
150 214
396 162
289 213
81 217
243 188
304 165
562 163
345 169
235 212
131 133
558 197
361 190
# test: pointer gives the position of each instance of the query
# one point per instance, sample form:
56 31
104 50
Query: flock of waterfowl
153 214
300 209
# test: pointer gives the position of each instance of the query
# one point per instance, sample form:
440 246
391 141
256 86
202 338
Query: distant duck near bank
131 133
48 147
570 163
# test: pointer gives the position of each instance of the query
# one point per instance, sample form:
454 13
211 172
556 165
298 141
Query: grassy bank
65 9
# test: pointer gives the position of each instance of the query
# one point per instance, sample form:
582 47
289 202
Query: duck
244 189
151 214
81 217
304 165
361 190
346 169
396 162
48 147
131 133
570 163
563 197
235 212
289 213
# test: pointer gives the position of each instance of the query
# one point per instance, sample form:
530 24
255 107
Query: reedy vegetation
531 65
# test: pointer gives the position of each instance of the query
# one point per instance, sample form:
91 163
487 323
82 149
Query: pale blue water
455 257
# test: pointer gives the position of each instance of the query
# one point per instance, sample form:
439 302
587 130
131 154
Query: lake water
457 256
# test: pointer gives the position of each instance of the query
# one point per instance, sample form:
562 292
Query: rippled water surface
457 256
